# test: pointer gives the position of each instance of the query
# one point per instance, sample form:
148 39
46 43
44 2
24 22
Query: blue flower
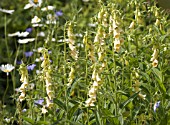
24 110
19 62
31 67
49 51
156 105
28 54
29 30
59 13
39 102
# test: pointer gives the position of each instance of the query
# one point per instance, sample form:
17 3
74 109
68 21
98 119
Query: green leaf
42 123
129 100
72 111
97 117
157 73
163 37
160 80
106 113
162 87
148 88
29 120
146 76
60 104
135 112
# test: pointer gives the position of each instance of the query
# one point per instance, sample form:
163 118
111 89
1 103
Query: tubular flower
116 34
71 37
49 103
93 90
154 58
71 76
47 76
155 63
44 110
132 25
24 79
99 48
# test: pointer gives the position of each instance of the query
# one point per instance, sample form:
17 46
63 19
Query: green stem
65 77
6 42
86 79
115 85
6 89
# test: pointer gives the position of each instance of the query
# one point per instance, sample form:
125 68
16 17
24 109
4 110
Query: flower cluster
71 76
116 33
154 57
71 37
93 90
47 76
89 47
24 79
99 45
137 85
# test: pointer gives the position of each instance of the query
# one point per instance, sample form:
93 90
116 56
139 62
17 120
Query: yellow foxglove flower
49 103
132 25
154 55
155 63
44 110
98 79
117 45
116 33
157 22
22 96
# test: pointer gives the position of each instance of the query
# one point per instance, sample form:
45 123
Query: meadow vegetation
84 62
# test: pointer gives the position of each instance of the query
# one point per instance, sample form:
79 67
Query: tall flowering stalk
71 76
24 79
71 42
116 33
46 69
99 63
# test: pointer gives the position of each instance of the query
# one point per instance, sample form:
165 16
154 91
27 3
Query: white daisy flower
23 41
37 25
35 20
7 68
48 8
27 6
6 11
22 34
32 4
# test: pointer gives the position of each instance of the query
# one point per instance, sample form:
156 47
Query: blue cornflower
49 51
31 67
28 54
59 13
29 30
156 105
39 102
19 62
24 110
